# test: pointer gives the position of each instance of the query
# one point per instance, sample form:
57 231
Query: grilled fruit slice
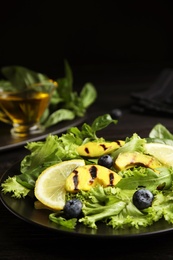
87 176
94 149
131 159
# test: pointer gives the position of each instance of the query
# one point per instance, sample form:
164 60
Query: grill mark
93 173
104 147
87 150
118 142
75 180
111 179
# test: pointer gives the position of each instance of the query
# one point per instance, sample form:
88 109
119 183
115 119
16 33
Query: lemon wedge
50 185
163 152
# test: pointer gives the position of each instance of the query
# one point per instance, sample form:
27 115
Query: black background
91 35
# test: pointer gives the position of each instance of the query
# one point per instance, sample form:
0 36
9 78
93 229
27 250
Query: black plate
8 142
24 209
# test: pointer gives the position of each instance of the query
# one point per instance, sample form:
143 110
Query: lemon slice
163 152
50 185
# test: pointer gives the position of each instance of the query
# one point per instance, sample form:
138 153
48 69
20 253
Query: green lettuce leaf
99 204
16 189
130 216
70 223
55 149
147 178
134 143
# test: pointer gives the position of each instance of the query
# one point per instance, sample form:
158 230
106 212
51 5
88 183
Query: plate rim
75 122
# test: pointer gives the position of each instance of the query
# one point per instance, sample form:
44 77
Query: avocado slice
131 159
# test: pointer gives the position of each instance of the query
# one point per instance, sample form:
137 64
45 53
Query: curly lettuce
51 151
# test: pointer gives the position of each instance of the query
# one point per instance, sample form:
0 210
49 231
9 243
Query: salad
83 178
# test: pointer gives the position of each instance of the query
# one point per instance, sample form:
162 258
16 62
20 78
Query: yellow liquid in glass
24 110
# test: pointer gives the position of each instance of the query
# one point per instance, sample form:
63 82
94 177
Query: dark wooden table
22 240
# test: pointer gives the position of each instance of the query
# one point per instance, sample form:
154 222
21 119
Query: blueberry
106 161
73 208
142 198
116 113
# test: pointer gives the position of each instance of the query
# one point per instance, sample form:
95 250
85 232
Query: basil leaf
58 116
21 77
102 122
88 95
